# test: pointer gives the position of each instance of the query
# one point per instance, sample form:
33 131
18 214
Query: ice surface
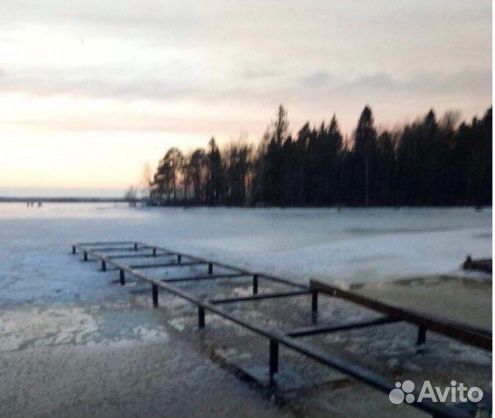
348 246
73 343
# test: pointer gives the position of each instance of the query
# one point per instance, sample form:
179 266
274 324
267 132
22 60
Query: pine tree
364 148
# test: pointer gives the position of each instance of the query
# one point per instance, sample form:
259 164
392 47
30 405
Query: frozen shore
124 359
112 361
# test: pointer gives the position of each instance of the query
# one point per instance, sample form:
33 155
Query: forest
429 162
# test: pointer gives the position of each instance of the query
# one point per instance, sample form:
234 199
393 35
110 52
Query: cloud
317 79
314 87
246 57
474 80
377 82
462 81
257 74
86 83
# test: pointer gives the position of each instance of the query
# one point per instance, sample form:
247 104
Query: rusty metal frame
290 339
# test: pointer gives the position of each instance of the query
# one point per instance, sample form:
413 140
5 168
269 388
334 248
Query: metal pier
116 254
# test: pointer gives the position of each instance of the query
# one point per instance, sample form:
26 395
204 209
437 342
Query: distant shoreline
9 199
61 199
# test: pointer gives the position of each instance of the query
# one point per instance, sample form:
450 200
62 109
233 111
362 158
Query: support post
103 265
255 284
201 317
135 246
273 361
179 258
154 293
210 268
73 249
85 258
122 277
421 335
314 307
314 302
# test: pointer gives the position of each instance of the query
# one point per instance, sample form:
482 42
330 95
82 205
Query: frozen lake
74 343
348 246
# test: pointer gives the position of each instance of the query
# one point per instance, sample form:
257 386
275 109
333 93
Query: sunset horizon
90 93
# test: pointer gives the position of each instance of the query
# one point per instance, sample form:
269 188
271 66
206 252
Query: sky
91 90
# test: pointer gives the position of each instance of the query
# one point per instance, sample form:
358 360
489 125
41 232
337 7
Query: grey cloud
87 83
465 80
378 81
128 85
318 79
475 80
256 74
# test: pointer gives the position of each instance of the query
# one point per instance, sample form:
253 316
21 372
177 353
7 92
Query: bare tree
146 179
131 196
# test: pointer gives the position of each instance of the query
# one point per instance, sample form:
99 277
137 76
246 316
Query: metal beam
154 295
99 243
155 266
138 255
281 280
122 277
325 329
201 317
260 297
421 339
207 277
255 284
314 302
273 361
111 249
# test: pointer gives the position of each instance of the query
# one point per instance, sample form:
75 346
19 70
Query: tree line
429 162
